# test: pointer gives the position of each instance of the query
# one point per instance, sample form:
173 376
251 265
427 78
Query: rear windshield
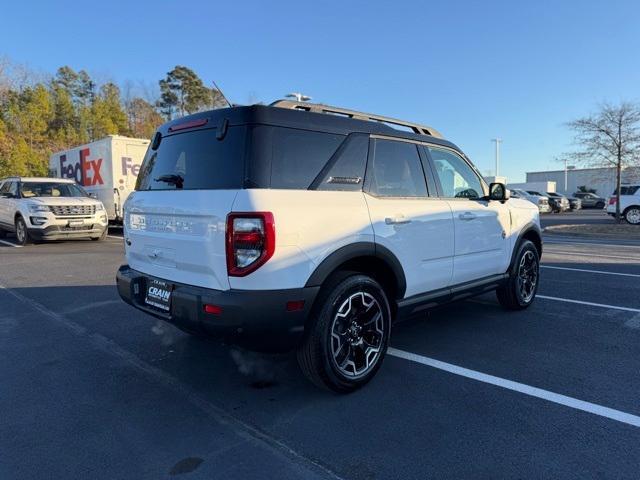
51 189
258 156
195 160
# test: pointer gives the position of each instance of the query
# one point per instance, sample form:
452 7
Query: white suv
629 203
315 226
38 209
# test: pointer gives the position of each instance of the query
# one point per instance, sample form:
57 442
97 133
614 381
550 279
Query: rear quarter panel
310 225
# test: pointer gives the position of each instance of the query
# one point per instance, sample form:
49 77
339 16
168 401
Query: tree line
69 108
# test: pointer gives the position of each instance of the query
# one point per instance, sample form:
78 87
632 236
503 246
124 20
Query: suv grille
72 210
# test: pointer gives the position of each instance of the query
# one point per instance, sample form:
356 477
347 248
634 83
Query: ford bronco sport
315 226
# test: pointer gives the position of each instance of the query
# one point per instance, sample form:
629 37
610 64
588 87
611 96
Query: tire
3 233
632 215
600 205
22 234
521 287
348 333
102 236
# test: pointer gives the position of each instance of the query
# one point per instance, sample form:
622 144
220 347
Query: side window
299 155
4 187
396 170
457 178
13 188
345 172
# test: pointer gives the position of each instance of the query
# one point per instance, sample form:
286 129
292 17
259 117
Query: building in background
602 180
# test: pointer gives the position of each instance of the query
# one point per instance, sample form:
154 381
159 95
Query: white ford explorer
317 227
38 209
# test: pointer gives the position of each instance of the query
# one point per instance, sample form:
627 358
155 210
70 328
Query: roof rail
321 108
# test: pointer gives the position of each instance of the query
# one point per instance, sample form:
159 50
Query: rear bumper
256 318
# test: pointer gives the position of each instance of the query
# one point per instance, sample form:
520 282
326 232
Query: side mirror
94 196
498 191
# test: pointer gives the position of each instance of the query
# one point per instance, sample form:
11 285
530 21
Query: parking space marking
4 242
114 236
591 271
590 304
553 397
586 254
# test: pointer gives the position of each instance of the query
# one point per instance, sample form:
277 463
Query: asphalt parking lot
92 388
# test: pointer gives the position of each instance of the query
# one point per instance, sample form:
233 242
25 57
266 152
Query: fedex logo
86 172
129 166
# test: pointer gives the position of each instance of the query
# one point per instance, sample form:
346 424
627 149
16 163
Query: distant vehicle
541 201
575 203
629 203
559 203
107 168
49 209
590 200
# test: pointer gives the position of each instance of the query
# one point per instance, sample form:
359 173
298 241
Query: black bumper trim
245 313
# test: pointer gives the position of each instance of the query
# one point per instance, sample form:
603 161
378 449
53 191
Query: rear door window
396 170
195 160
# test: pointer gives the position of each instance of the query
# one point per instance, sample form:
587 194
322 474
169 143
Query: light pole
300 97
498 142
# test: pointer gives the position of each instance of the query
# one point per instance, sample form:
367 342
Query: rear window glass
346 170
195 160
297 156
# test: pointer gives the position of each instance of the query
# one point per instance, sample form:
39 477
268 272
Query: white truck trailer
107 168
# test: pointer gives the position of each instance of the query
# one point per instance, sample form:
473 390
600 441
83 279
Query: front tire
22 234
521 287
348 334
632 215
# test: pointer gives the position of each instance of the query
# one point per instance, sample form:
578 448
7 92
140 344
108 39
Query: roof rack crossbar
321 108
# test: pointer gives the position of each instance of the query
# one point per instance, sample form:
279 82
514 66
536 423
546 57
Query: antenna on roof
300 97
221 93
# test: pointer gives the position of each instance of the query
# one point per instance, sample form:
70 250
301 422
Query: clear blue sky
474 69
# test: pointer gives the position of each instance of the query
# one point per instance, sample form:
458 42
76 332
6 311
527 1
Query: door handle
466 216
398 219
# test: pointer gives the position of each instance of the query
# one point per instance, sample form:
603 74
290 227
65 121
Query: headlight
99 207
38 208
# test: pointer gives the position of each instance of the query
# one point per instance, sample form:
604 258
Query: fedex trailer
107 169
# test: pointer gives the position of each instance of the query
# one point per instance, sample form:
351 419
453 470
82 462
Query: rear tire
632 215
22 234
348 333
521 287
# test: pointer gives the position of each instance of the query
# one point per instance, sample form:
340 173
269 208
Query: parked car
541 201
574 203
559 203
305 225
629 203
590 200
49 209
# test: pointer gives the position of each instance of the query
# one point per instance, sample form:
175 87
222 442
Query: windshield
534 193
51 189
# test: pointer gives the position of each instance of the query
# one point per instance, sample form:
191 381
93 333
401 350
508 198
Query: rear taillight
612 201
251 241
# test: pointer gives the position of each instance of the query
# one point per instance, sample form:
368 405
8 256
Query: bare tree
608 138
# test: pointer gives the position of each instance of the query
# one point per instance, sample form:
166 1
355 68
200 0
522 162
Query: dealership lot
94 388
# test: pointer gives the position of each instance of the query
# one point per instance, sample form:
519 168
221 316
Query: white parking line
590 271
586 254
590 304
570 402
10 244
114 236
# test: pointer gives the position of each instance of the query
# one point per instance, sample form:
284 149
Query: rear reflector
295 305
613 200
212 309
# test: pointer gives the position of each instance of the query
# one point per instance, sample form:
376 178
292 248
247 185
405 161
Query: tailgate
179 235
